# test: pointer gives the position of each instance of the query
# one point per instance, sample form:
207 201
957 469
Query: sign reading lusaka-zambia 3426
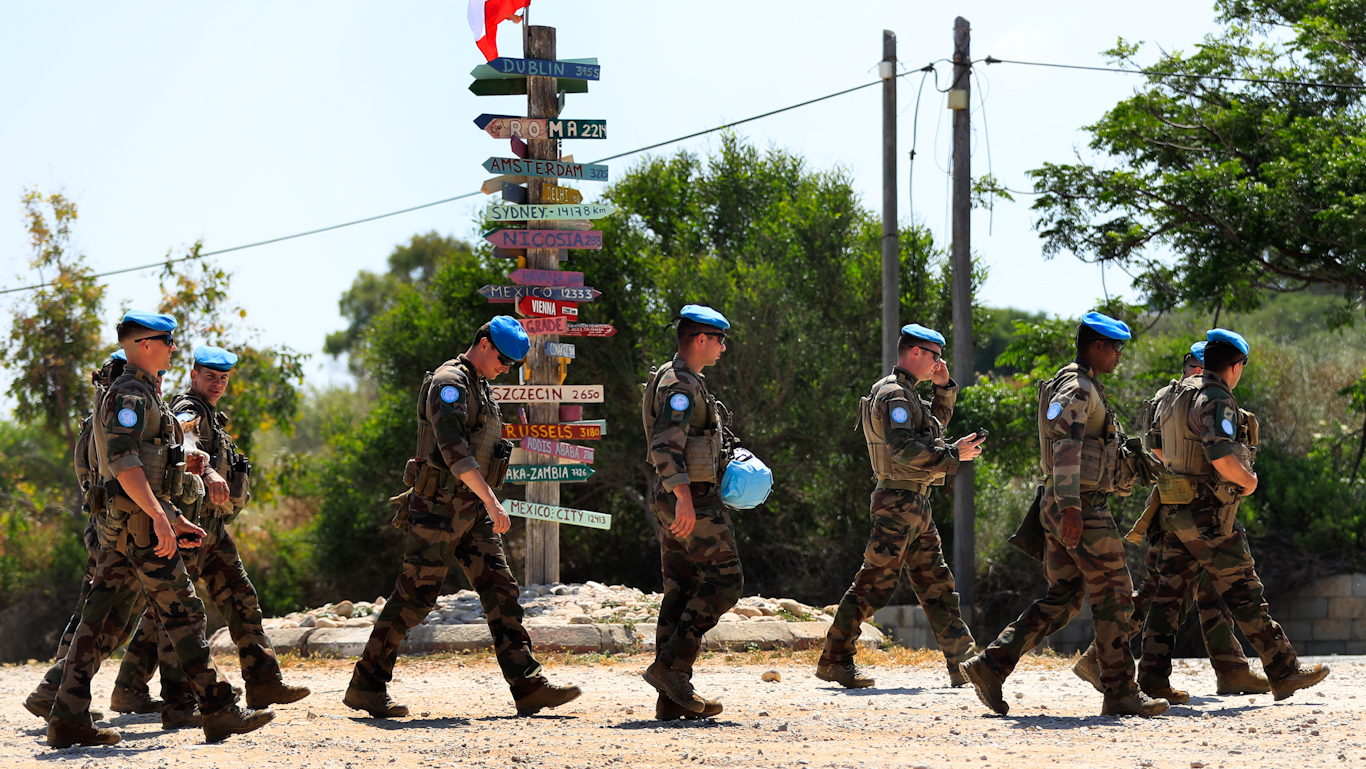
542 473
550 169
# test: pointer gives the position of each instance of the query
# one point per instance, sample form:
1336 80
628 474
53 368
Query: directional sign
578 69
530 306
509 253
511 213
496 183
514 193
544 326
559 432
539 473
574 224
550 169
559 350
547 393
578 239
490 72
553 193
511 85
557 449
519 148
590 329
508 127
555 514
502 294
525 277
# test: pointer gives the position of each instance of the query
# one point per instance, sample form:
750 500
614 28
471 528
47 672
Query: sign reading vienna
558 432
550 169
547 393
531 307
557 514
557 449
539 473
545 239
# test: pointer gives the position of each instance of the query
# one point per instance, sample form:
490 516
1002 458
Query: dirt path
463 717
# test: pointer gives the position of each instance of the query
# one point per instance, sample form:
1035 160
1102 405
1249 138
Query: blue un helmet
746 482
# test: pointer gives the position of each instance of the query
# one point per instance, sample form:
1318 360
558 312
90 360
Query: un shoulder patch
1228 427
1054 410
899 415
450 394
128 417
679 402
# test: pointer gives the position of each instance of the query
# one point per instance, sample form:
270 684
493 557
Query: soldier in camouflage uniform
138 443
215 565
1233 674
1205 445
698 559
451 512
1079 443
906 445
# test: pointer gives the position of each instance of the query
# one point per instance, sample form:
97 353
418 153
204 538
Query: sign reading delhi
557 293
557 514
545 239
556 449
547 393
509 127
541 473
550 169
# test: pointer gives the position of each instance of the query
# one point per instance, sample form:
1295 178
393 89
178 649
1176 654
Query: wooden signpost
577 69
511 85
576 239
546 393
544 326
509 127
514 193
590 329
527 277
555 432
557 449
557 514
503 294
550 169
496 183
553 193
559 350
539 473
531 307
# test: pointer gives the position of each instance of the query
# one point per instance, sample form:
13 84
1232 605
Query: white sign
558 514
533 393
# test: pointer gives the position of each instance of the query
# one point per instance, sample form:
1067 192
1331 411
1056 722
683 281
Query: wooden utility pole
964 508
891 264
542 537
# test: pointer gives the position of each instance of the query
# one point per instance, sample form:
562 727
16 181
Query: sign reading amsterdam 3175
547 393
558 514
553 169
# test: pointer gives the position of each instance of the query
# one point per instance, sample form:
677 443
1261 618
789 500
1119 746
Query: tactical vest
1182 451
1147 415
702 451
1100 446
874 434
223 456
428 472
85 459
162 457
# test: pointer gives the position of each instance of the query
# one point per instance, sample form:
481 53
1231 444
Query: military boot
846 674
274 693
676 684
1138 704
956 677
125 700
547 696
1165 692
1242 681
987 681
377 704
40 703
62 733
181 716
222 724
1088 668
1300 678
667 710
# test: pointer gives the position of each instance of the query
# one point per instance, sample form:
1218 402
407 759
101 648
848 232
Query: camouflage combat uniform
1079 447
459 429
905 438
215 565
701 571
1204 533
133 428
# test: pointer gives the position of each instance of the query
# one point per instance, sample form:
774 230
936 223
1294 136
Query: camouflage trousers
117 579
702 575
1191 538
1216 623
433 540
904 538
1096 565
217 568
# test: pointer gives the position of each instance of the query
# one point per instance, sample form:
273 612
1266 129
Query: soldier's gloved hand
685 518
1071 527
501 521
216 487
165 534
969 447
183 526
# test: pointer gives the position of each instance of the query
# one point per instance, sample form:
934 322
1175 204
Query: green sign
541 473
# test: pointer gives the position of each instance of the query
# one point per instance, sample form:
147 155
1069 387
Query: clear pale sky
167 122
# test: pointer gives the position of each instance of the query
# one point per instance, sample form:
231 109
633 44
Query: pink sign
556 449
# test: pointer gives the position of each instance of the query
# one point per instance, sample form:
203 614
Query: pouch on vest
140 528
497 470
1230 497
1144 523
1176 489
398 505
1030 538
702 454
239 489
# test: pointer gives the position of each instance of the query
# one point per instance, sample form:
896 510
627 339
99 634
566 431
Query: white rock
327 622
793 607
470 617
580 619
366 621
745 611
768 610
433 617
591 585
728 617
542 590
308 621
344 609
569 609
603 612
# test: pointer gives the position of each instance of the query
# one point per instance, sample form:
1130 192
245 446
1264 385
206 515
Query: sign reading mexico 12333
558 293
546 239
556 449
547 393
577 70
558 514
542 473
508 127
550 169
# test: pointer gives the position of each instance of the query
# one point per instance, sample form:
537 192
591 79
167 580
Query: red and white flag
486 15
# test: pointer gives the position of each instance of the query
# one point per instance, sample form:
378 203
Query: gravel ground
463 717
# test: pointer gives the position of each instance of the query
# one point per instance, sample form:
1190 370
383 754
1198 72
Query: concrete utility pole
964 508
891 247
542 537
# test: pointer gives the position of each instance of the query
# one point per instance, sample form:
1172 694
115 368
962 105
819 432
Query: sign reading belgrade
550 169
548 393
557 514
531 307
544 326
557 432
557 449
558 293
540 473
508 127
578 239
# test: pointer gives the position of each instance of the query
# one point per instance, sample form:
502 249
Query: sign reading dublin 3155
558 514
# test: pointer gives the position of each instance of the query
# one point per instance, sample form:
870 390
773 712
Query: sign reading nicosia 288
533 393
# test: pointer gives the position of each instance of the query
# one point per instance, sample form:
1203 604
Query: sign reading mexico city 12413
557 514
548 393
551 169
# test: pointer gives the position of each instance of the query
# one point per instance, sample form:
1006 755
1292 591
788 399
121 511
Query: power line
1188 75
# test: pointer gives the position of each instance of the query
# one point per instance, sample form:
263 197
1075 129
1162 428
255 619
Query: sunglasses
167 338
720 336
1118 344
506 361
938 356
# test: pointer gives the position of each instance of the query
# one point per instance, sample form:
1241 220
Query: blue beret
920 332
152 320
1106 326
215 358
1228 337
509 337
119 355
1198 350
704 315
